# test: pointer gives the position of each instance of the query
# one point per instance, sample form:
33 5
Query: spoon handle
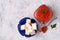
51 21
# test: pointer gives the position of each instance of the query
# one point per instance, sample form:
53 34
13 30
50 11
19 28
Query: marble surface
11 11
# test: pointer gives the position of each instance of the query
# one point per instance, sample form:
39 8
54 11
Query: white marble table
11 11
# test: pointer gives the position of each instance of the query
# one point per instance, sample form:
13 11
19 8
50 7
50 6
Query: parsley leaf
53 26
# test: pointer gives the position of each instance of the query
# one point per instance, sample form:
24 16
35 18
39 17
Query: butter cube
28 21
32 33
28 26
26 32
34 26
30 30
22 27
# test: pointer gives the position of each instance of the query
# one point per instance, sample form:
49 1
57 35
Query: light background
11 11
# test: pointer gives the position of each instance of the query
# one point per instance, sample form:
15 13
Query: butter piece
32 33
26 32
28 26
28 21
22 27
34 26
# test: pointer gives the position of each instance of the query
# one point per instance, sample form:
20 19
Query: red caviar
43 14
44 29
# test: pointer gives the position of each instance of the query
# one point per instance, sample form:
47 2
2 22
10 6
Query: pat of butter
26 32
30 30
28 26
32 33
34 26
28 21
22 27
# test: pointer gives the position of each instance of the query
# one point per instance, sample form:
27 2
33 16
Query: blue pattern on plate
23 21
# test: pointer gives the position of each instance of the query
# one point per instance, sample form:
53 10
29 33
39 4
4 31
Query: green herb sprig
53 26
